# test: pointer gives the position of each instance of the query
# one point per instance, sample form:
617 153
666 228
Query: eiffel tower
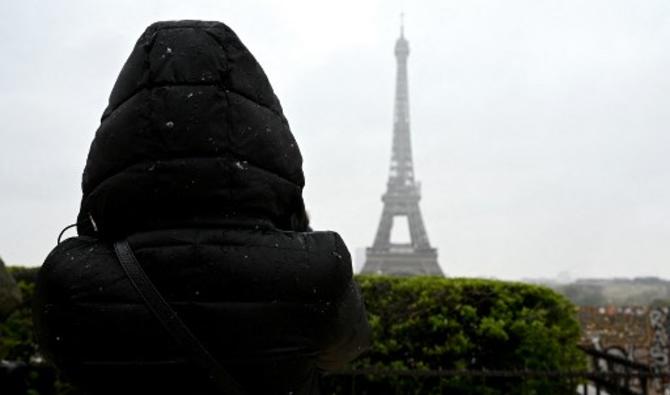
402 196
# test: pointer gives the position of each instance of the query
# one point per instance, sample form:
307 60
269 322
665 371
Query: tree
430 323
10 295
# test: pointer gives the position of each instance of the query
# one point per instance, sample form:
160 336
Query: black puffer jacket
195 165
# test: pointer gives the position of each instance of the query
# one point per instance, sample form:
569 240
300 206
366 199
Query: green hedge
430 323
425 323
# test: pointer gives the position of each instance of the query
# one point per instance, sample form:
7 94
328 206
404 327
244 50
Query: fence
608 374
359 382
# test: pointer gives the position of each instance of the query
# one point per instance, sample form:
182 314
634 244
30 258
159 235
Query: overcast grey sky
540 128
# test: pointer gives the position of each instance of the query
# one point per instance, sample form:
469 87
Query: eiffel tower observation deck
401 200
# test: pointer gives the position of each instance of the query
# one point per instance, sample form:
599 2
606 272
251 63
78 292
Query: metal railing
628 382
608 374
618 375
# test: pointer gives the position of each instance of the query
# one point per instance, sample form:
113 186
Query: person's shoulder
322 240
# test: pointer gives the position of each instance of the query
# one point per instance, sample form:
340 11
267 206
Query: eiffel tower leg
383 237
416 229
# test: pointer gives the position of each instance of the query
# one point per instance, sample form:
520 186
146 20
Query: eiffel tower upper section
401 175
402 195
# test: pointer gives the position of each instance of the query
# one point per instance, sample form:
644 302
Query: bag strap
180 333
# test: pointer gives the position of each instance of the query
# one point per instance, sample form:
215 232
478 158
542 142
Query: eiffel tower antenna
403 193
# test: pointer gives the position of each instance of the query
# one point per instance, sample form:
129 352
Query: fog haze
539 128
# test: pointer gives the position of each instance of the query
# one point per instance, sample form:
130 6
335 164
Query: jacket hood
193 136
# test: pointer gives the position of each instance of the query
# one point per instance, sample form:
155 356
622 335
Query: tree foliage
16 332
10 295
429 323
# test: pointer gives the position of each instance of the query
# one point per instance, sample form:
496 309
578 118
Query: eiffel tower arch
403 193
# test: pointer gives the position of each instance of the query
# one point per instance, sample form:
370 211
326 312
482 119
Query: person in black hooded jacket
195 166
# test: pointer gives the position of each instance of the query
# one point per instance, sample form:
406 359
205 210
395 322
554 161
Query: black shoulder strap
184 338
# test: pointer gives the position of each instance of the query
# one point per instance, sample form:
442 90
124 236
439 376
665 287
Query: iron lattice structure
402 196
